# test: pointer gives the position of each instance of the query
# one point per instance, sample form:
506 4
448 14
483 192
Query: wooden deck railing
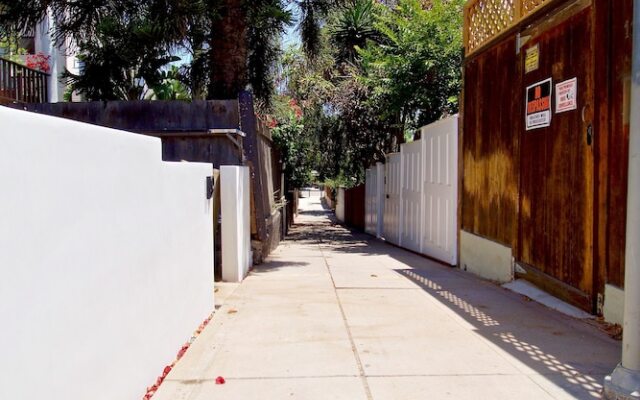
486 19
19 83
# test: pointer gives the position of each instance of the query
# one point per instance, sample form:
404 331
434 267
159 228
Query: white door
392 199
440 149
411 210
371 201
380 202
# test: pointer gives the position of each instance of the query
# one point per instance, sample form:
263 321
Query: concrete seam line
356 355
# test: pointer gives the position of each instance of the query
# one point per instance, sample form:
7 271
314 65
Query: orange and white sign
567 95
538 114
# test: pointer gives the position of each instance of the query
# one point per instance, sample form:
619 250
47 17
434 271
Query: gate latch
589 134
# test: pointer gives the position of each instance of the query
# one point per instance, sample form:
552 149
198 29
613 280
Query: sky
290 35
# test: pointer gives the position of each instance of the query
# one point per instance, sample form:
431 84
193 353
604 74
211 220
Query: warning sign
567 95
532 59
538 114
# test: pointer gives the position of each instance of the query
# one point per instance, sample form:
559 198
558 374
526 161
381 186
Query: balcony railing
22 84
486 19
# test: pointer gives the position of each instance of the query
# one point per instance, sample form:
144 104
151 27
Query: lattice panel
486 19
528 6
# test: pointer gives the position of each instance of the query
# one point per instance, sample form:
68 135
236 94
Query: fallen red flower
220 380
153 389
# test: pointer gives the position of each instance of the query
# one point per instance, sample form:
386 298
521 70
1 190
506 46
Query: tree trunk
228 52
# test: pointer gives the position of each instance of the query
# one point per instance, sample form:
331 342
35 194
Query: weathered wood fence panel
554 196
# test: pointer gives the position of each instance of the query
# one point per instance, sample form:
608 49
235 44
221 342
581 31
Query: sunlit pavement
339 315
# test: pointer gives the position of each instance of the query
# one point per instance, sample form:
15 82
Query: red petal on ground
220 380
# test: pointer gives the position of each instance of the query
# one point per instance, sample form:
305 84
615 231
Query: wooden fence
354 207
22 84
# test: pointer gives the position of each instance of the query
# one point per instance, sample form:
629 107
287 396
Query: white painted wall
236 229
485 258
613 308
106 258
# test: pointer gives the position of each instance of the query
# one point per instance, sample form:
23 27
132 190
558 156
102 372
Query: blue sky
290 35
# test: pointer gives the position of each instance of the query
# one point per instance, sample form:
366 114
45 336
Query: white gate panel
371 201
440 189
380 196
411 209
392 198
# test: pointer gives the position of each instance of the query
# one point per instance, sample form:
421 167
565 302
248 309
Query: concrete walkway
337 315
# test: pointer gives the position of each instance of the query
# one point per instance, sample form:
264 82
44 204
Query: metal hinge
210 186
600 304
521 41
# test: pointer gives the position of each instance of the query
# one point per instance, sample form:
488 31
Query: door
440 189
371 201
555 246
411 211
392 199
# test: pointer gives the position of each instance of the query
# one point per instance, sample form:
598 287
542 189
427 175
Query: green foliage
126 44
121 61
353 28
294 142
416 70
267 20
11 50
170 87
379 72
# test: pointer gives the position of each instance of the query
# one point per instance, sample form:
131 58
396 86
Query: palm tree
353 29
233 43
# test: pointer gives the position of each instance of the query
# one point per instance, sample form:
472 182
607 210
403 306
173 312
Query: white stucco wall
485 258
106 259
236 228
613 308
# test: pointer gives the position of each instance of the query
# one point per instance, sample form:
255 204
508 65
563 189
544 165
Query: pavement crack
354 349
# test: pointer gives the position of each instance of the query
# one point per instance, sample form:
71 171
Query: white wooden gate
411 210
393 180
440 189
380 175
371 201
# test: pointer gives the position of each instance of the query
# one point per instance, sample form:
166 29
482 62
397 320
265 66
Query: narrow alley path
338 315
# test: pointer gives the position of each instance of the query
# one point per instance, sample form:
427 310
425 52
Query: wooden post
248 125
